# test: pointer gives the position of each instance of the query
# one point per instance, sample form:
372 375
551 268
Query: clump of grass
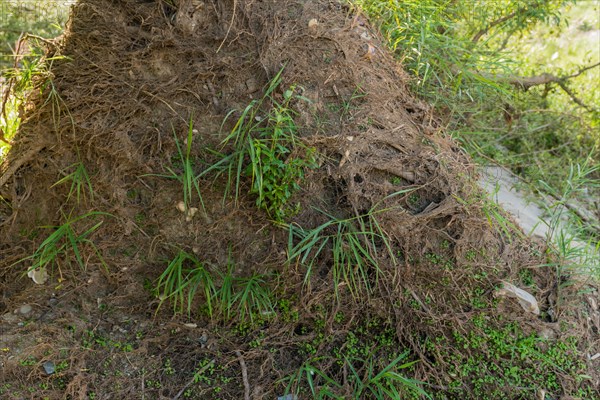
352 259
245 297
385 384
365 379
320 385
186 176
353 244
80 181
240 298
266 150
65 242
183 279
31 74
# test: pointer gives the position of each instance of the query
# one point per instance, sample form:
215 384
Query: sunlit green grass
535 133
564 50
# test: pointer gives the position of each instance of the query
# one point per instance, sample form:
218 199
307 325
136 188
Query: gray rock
49 367
25 309
203 339
288 397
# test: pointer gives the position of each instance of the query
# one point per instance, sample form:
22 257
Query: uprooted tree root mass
406 258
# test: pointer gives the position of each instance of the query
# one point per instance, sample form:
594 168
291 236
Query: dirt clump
386 253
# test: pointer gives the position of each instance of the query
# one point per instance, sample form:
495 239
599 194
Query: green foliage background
462 54
45 18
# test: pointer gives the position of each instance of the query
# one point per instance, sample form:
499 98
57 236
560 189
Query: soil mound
358 234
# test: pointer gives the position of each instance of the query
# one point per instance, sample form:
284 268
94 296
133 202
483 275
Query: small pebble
288 397
25 309
203 340
39 276
547 334
49 367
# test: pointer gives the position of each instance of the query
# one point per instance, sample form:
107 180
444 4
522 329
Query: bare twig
526 82
492 24
520 12
418 300
244 375
581 71
50 42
